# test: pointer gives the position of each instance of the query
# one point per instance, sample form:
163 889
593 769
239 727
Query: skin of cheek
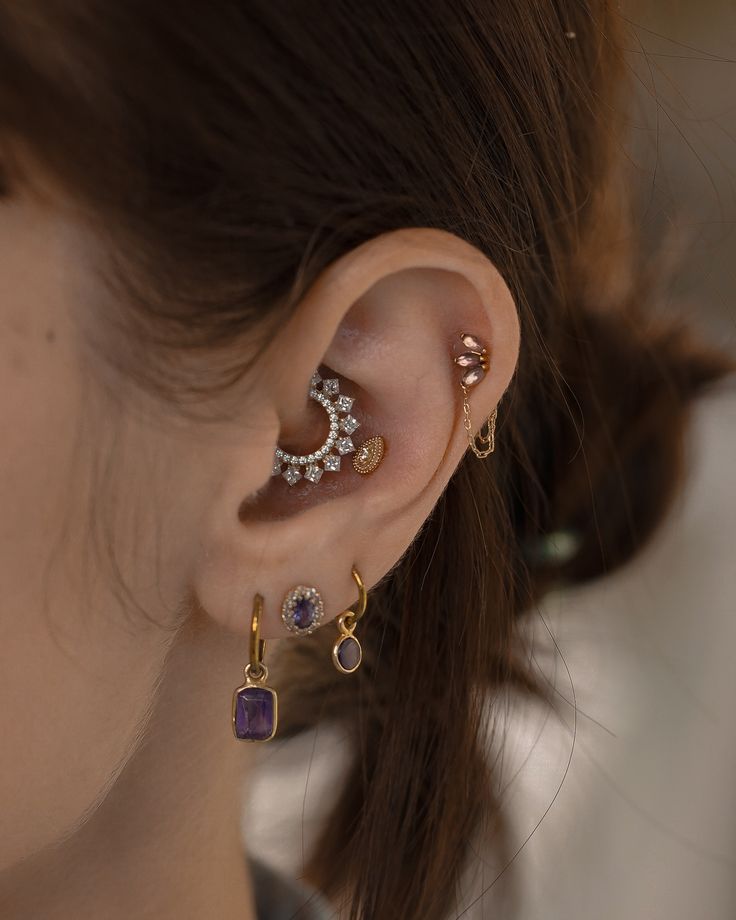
77 672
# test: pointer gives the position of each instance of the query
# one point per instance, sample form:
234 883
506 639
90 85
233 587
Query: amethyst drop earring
475 364
347 653
255 706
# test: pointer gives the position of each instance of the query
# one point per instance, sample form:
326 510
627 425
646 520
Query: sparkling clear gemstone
349 424
344 445
315 379
344 404
331 387
332 463
291 474
277 464
313 472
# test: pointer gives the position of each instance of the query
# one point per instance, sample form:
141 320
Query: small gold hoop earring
347 652
475 364
255 706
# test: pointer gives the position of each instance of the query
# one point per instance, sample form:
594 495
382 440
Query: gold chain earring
255 706
475 364
347 653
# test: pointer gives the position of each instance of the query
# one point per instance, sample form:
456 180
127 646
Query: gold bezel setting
343 640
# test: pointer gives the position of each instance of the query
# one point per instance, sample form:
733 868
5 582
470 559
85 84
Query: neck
165 843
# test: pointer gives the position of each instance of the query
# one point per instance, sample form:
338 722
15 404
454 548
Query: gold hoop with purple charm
347 652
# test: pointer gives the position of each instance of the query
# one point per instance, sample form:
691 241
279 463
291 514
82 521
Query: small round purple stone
304 613
349 653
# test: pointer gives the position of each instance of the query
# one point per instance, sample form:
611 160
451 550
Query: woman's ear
383 321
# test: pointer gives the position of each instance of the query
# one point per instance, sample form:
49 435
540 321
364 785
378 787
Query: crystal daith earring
339 441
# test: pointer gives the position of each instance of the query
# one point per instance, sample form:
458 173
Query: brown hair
230 151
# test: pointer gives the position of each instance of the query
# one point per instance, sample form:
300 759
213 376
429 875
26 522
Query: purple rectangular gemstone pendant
255 712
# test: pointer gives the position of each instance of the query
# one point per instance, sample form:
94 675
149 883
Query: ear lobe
382 321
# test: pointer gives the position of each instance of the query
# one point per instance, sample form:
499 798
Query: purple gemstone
255 714
304 613
349 653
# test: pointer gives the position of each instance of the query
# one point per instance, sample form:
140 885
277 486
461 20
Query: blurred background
683 148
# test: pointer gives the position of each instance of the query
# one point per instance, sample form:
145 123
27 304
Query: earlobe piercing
255 706
339 442
475 363
254 710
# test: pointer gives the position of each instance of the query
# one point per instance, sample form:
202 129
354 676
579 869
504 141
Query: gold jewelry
338 442
347 653
255 706
476 364
369 455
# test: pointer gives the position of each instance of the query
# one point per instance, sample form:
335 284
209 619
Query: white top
638 818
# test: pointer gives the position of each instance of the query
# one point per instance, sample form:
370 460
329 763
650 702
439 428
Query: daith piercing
339 441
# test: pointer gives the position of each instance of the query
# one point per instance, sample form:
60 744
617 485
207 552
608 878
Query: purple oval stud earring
302 610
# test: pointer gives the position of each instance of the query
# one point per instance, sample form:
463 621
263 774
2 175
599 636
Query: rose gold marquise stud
475 364
474 360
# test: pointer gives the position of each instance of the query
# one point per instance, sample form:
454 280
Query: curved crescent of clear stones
338 436
304 459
